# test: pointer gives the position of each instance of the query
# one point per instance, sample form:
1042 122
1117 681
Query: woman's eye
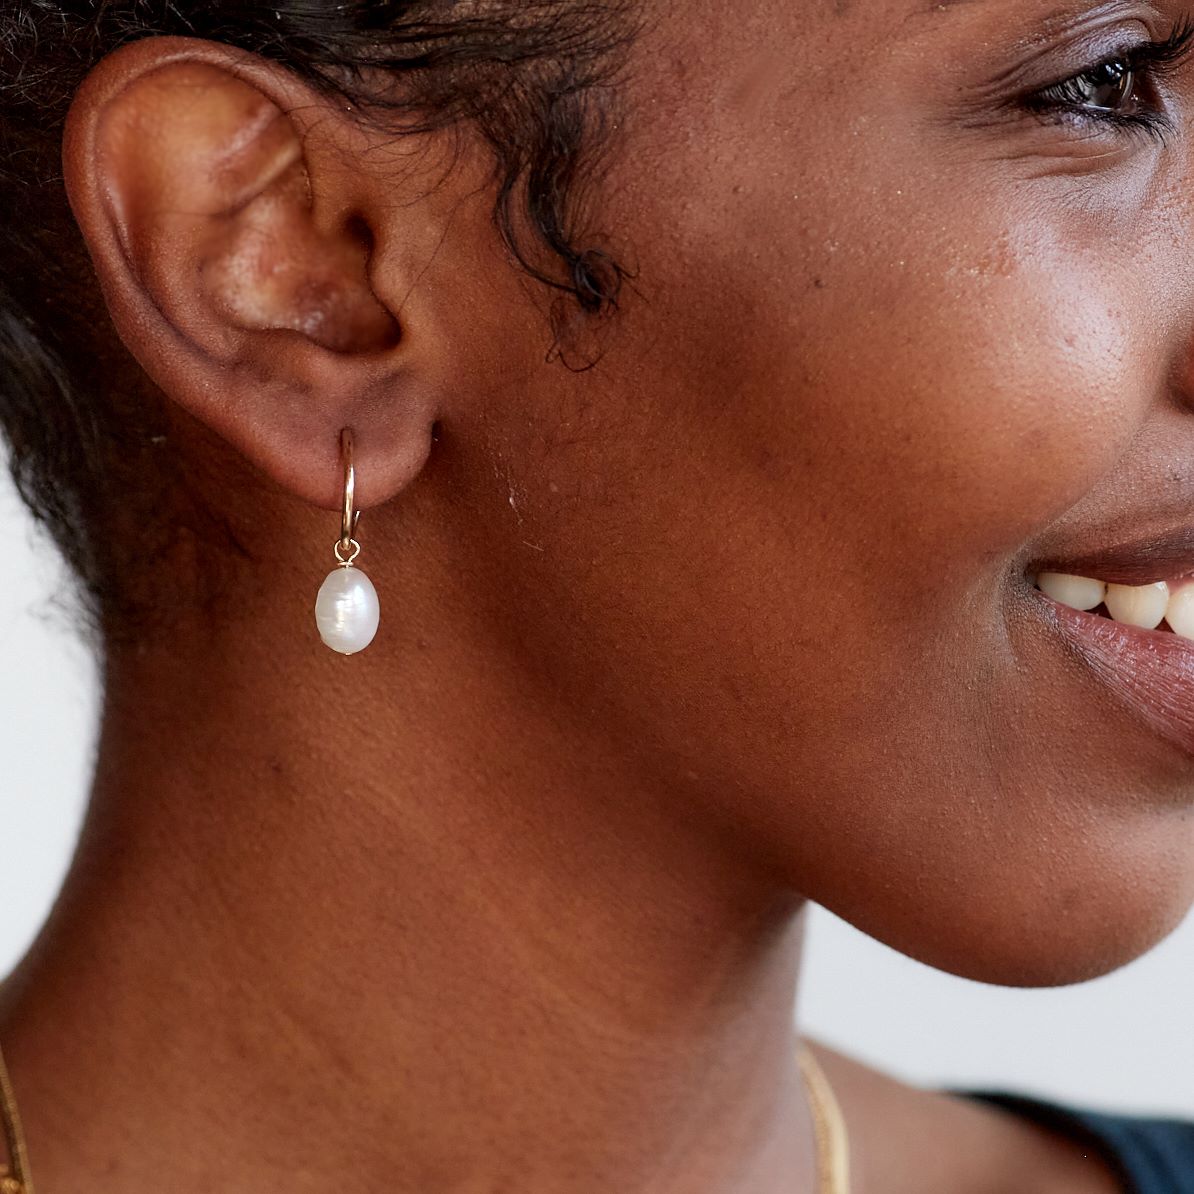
1118 94
1124 92
1108 87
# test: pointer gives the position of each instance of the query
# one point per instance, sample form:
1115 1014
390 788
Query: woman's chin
1044 935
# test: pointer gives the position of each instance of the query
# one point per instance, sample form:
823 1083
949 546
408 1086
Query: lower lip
1151 672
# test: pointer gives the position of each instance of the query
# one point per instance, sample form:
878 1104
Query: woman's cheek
988 404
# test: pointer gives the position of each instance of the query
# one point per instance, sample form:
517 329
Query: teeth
1180 611
1138 605
1079 592
1143 605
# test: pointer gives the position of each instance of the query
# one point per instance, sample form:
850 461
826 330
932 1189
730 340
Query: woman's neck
393 926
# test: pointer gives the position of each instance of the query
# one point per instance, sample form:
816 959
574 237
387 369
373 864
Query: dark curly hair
534 77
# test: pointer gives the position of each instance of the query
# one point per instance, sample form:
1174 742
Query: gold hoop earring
347 611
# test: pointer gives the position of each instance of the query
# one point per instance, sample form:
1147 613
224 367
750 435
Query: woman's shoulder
1151 1155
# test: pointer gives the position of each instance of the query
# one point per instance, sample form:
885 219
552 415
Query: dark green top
1151 1155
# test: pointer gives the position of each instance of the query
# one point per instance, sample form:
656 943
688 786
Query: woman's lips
1151 672
1164 556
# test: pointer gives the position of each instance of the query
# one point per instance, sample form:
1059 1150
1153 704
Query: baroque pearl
347 611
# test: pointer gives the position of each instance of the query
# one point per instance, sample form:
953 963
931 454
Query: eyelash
1145 62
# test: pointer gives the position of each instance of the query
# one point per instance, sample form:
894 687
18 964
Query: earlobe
229 259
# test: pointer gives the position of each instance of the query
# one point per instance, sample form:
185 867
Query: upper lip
1167 555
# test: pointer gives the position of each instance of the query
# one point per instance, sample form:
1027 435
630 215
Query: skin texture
734 620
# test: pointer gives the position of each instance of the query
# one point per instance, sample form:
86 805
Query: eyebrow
1057 12
938 6
925 10
843 8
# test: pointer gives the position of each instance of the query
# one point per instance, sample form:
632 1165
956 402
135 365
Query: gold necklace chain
829 1127
829 1130
18 1181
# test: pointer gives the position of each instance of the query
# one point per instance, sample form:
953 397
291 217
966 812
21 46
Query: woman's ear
233 229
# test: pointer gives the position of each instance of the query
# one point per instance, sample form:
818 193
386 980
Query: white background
1122 1042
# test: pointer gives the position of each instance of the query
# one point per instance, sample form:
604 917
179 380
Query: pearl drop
347 611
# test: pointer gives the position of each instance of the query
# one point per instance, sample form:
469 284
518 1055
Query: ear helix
347 611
